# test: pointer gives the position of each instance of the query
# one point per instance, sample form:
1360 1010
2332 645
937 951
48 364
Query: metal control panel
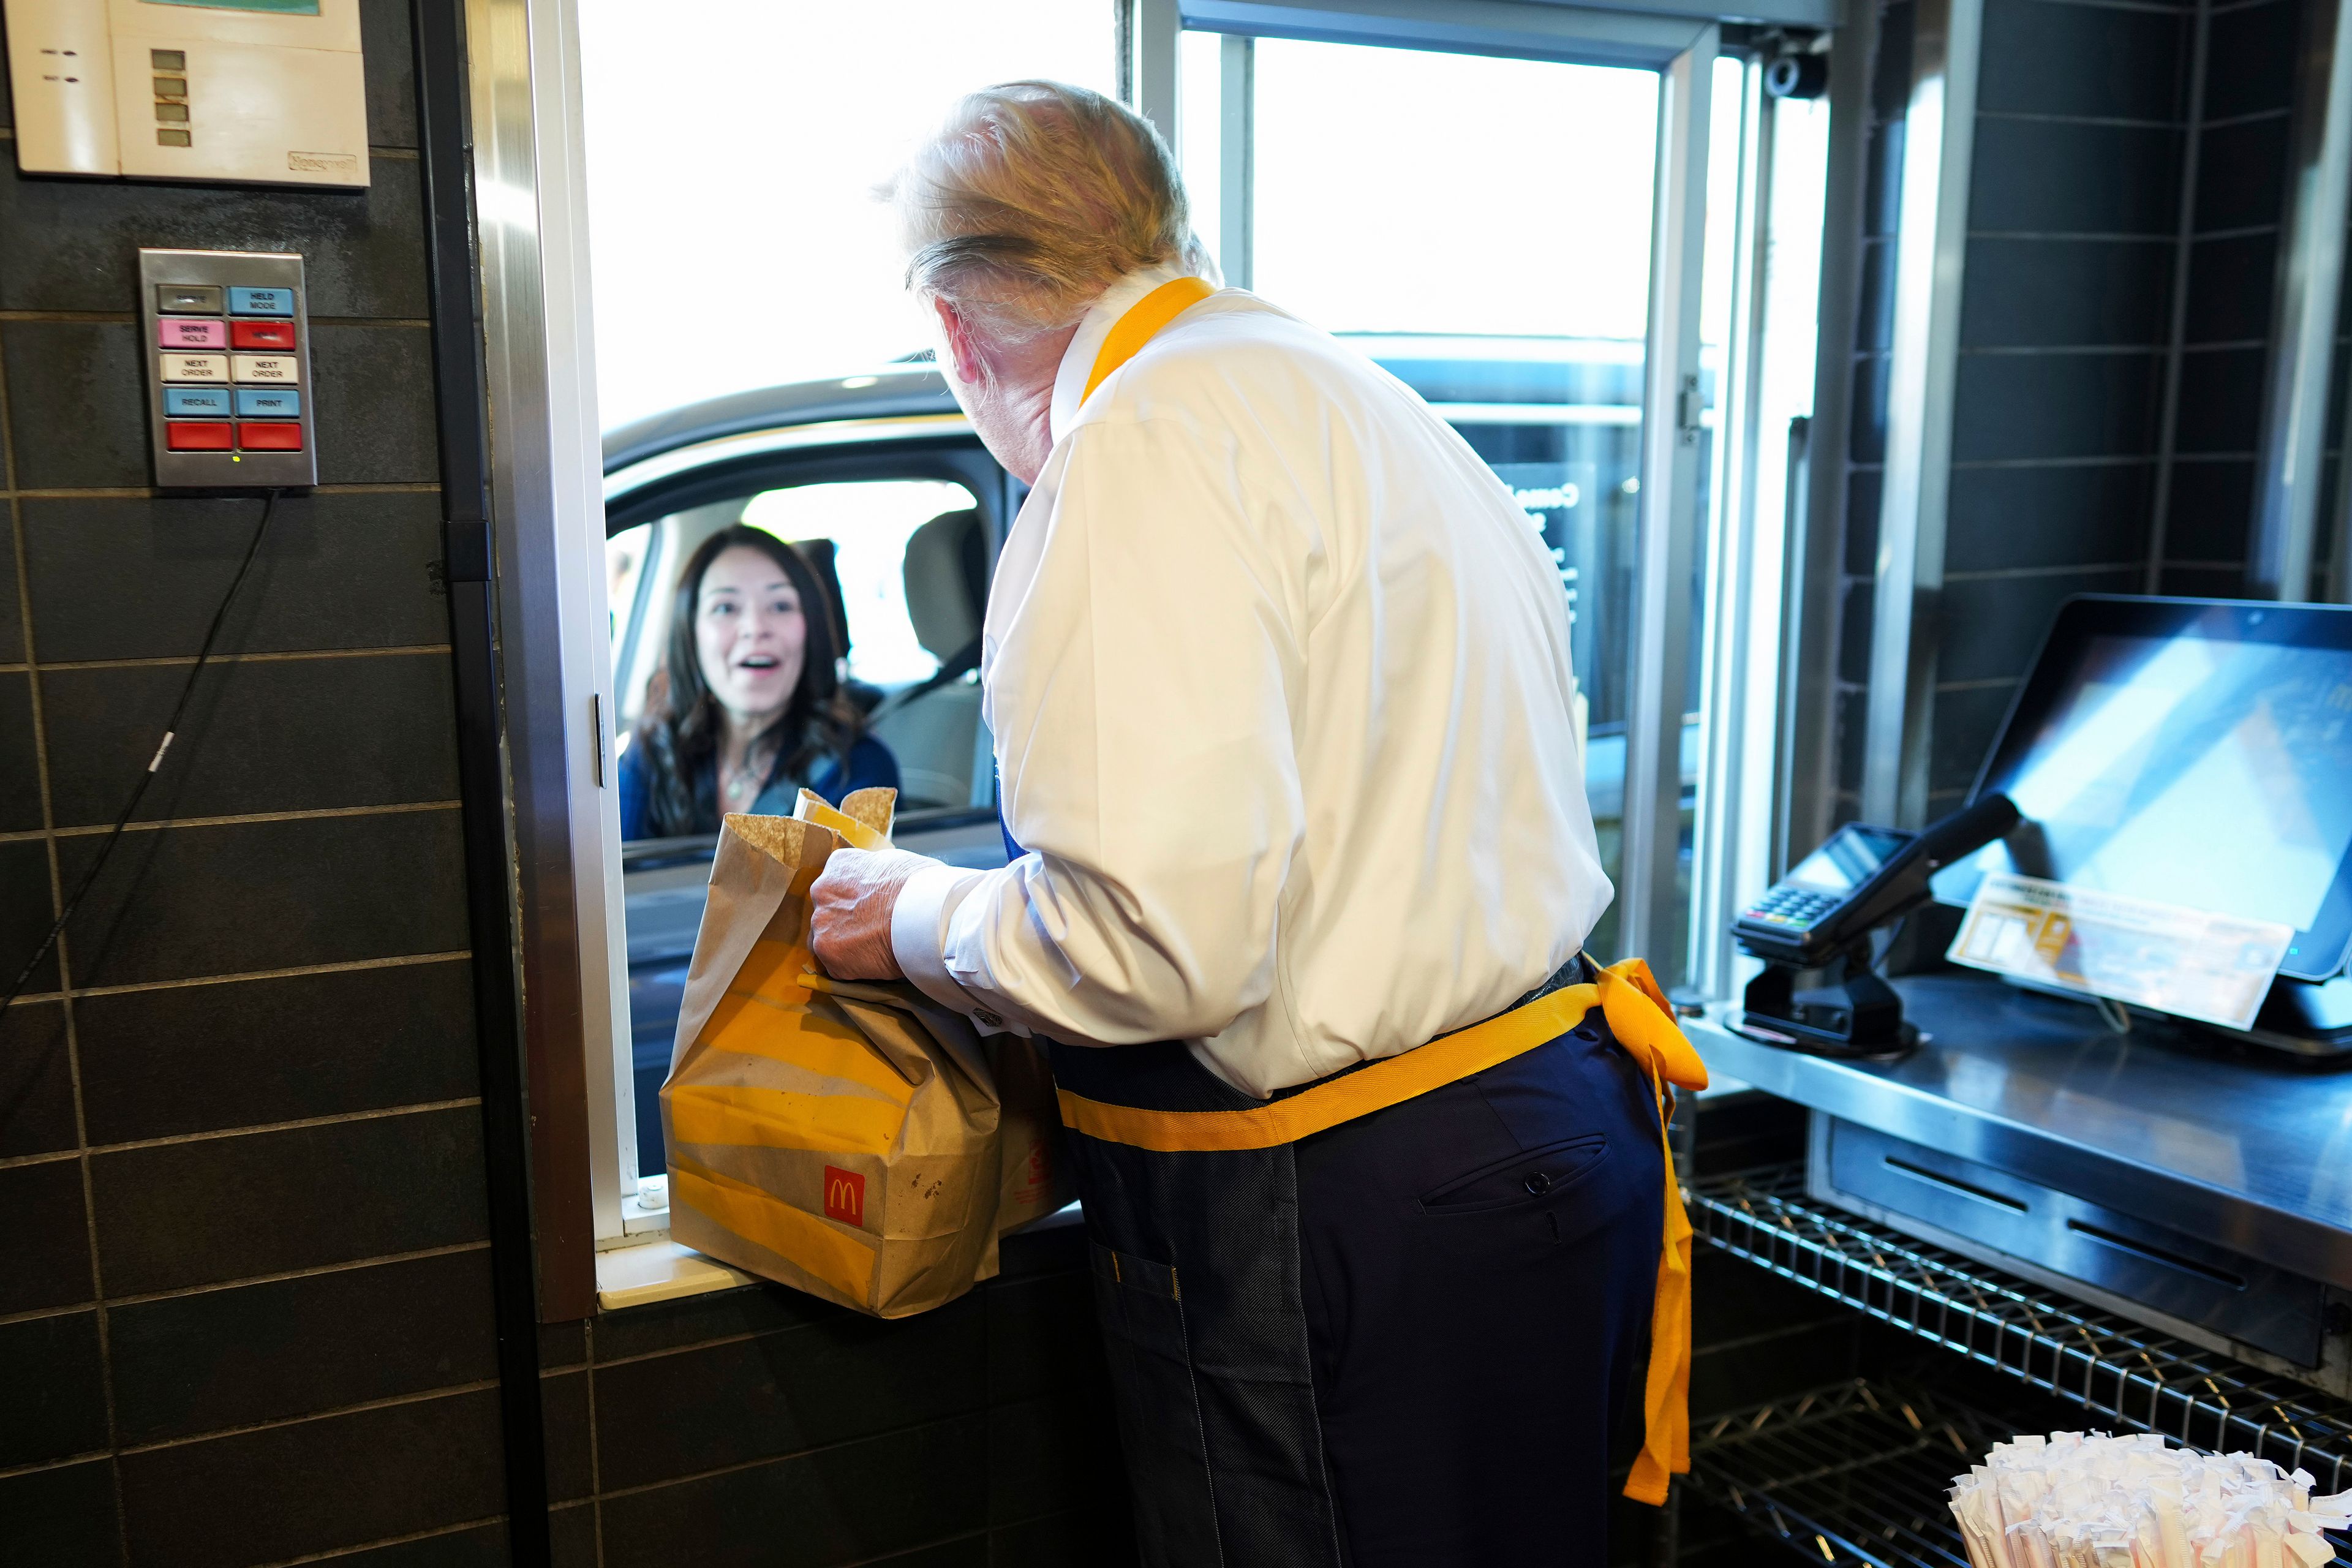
229 402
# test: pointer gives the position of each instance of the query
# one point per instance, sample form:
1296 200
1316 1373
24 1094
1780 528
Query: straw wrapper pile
2072 1501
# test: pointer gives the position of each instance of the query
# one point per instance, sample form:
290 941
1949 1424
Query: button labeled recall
181 332
264 367
261 334
199 402
261 301
190 435
269 437
268 403
195 367
188 298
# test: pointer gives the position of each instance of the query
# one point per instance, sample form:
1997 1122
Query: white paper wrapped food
2088 1501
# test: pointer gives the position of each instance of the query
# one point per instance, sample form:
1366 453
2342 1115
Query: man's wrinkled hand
852 901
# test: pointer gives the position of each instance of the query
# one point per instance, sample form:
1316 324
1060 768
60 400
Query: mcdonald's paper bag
857 1141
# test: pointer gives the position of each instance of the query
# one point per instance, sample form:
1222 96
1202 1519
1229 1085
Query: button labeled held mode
183 332
194 436
261 301
195 367
268 403
269 437
261 334
198 402
265 367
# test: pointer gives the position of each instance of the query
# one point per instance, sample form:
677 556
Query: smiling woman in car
748 709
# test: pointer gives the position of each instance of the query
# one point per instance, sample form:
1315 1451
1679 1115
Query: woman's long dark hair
682 722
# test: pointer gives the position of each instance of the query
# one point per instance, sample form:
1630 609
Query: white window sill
659 1270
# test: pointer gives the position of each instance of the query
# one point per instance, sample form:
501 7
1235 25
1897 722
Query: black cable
154 763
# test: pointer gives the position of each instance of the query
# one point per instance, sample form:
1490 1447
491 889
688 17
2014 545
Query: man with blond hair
1277 673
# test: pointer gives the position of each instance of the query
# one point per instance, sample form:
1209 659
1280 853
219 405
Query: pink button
179 332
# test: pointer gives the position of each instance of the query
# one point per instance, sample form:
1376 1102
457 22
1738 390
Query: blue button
190 402
268 403
261 301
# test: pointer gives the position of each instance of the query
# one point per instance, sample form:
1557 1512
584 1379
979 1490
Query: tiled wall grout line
13 1471
60 956
133 492
766 1459
2006 574
391 1402
183 1291
2029 117
335 1119
595 1445
339 1552
291 656
691 1346
96 829
400 961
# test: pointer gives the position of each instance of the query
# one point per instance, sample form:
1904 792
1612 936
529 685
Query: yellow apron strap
1644 1023
1142 324
1388 1081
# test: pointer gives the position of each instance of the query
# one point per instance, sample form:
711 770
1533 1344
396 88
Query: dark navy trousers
1416 1340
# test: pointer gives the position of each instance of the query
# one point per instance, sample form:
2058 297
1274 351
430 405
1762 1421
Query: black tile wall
2253 54
182 1214
53 1387
37 1109
2213 507
2075 514
2064 293
265 735
246 1265
199 1059
112 578
2040 176
2022 406
2082 61
65 1515
282 1491
2230 288
191 1363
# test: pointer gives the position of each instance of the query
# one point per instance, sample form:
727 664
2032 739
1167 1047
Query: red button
261 334
195 436
285 437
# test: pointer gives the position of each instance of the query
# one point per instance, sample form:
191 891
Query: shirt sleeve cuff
919 925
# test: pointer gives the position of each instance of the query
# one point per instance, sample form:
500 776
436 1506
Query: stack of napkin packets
2078 1500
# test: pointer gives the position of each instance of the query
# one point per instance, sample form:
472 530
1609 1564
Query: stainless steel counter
2252 1151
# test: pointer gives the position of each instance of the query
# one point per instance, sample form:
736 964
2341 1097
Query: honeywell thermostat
239 92
229 369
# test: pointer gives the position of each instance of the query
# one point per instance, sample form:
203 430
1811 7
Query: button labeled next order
264 367
195 367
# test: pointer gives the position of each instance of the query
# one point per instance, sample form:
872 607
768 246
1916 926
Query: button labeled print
195 367
265 367
268 403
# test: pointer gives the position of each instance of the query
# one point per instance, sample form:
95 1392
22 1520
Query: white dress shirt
1278 677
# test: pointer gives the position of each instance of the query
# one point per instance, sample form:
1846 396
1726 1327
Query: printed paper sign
2163 957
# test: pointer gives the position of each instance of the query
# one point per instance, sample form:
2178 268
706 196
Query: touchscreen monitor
2195 752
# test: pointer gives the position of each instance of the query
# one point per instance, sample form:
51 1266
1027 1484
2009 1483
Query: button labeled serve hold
276 368
195 367
183 332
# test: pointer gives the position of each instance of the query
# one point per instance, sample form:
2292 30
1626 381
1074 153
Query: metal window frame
546 514
2280 551
1931 252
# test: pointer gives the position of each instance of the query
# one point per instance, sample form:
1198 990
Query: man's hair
1034 198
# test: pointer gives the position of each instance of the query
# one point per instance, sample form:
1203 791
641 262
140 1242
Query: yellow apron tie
1639 1016
1142 324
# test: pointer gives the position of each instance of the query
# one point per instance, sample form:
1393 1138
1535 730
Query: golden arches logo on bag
845 1195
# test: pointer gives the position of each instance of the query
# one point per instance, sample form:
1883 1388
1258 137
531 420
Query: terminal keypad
1795 908
229 369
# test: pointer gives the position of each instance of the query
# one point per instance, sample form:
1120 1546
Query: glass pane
1199 134
1487 234
869 524
732 151
1399 191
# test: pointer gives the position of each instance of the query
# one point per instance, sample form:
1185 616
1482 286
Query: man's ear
957 334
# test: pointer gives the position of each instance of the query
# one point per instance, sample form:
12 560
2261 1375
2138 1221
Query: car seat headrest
945 574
